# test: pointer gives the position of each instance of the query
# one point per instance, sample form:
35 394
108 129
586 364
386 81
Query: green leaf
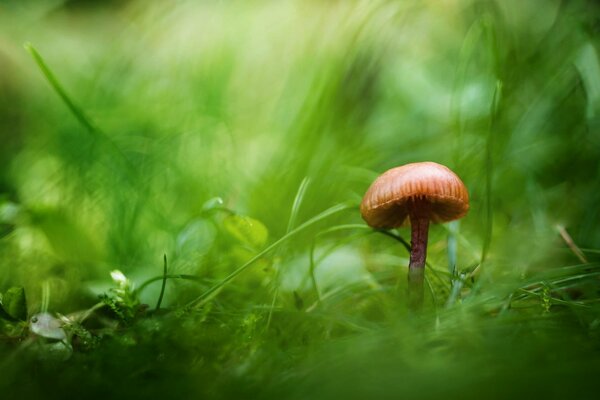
248 231
14 304
4 314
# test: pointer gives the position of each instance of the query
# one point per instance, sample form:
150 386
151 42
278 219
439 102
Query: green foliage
13 304
82 339
238 139
246 230
122 299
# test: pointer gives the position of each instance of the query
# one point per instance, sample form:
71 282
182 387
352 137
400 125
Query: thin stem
418 254
164 283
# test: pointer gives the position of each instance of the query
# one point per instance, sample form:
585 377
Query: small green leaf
4 314
14 304
248 231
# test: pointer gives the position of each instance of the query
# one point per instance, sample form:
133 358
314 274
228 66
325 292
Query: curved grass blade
489 171
571 243
199 301
172 276
311 254
396 237
297 202
312 264
291 222
74 108
164 284
51 78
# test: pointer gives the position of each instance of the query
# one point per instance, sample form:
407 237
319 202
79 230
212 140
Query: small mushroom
417 193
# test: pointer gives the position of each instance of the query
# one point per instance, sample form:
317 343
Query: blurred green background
207 130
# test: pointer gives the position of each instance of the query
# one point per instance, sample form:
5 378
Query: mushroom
417 193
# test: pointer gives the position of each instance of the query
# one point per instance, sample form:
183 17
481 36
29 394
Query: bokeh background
207 130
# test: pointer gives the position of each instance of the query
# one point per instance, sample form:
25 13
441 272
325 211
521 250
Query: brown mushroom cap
425 188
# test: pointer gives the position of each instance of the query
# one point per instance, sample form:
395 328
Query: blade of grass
74 108
53 81
311 253
569 241
161 277
432 291
489 172
291 222
591 251
312 263
466 54
45 296
199 301
297 202
164 284
452 245
396 237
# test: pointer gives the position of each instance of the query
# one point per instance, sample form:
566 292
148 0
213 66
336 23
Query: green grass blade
53 81
186 277
311 253
74 108
297 203
213 290
489 173
164 284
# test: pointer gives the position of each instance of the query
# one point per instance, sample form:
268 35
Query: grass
180 185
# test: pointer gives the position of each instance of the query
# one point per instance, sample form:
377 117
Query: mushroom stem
418 254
